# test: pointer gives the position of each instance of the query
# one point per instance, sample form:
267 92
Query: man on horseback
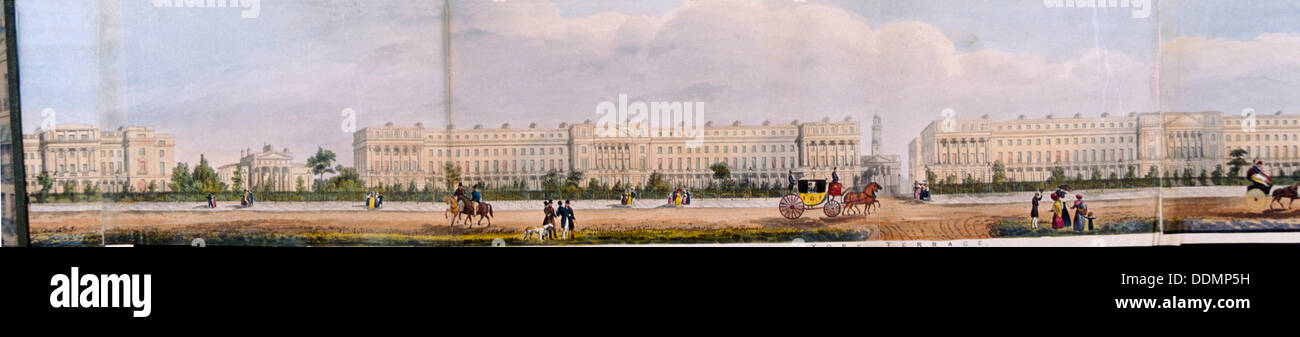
475 197
459 195
1258 179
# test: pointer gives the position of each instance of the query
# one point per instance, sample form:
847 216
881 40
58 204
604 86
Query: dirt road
899 219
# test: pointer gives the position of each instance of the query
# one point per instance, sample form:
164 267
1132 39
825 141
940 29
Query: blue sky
222 83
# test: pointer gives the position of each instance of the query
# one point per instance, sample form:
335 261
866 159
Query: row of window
1274 152
73 169
73 153
1266 121
1264 137
1059 126
585 133
416 134
494 166
1072 140
476 152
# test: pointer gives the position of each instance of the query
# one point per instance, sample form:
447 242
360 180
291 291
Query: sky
221 83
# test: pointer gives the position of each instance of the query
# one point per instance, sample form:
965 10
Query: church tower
875 135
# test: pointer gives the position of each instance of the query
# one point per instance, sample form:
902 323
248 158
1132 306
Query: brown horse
453 208
867 198
483 211
1289 192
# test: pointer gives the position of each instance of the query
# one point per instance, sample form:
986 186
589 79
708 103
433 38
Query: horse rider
475 197
1262 186
459 195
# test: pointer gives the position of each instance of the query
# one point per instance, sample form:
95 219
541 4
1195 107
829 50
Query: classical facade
1111 145
131 158
499 157
268 170
883 169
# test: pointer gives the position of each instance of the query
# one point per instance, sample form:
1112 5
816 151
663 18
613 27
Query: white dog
543 232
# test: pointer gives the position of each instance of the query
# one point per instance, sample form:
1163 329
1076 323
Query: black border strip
16 127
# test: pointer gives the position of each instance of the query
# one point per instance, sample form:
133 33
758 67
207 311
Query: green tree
347 180
656 182
181 180
237 180
46 183
999 173
451 173
153 187
301 185
205 178
930 177
1096 175
1058 176
1131 174
720 171
1204 178
320 163
1217 175
1153 173
1238 161
573 181
550 181
69 189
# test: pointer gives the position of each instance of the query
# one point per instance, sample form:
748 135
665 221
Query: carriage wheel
832 208
791 207
1257 201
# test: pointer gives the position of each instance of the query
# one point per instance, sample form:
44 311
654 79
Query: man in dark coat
459 195
563 213
1255 184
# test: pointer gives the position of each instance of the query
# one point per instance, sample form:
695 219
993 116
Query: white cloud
1216 74
754 61
525 61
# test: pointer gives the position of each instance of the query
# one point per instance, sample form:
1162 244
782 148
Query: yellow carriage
812 195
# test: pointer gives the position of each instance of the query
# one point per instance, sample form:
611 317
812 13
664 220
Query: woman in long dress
1080 212
1057 207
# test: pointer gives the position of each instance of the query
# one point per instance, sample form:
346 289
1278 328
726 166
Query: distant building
882 169
127 159
1110 145
268 170
500 157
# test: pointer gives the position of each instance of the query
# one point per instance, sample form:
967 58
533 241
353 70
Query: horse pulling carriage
812 195
1262 195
